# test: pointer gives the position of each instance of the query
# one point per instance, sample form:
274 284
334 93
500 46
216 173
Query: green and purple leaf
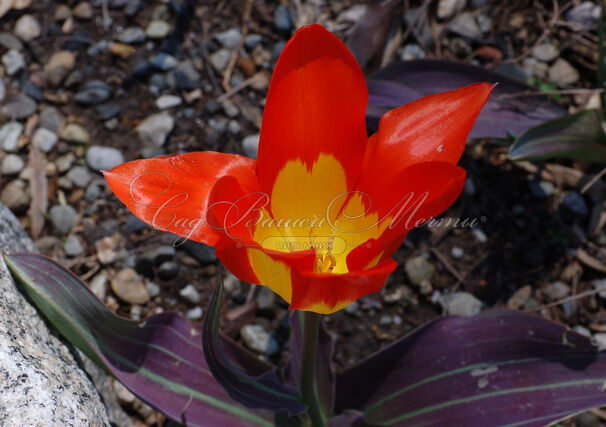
577 136
502 367
159 359
513 107
263 391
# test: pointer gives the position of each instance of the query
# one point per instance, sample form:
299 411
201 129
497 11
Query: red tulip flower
317 216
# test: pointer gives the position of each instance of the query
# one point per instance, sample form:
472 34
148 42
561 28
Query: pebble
12 164
129 287
519 299
44 139
157 29
465 25
123 394
353 308
266 298
106 253
83 11
258 339
457 252
461 304
188 78
9 41
51 119
93 192
229 39
103 158
98 285
132 35
27 28
19 107
64 163
62 217
557 290
21 4
108 111
599 285
155 129
419 269
586 15
575 203
15 197
253 40
190 294
412 51
250 145
62 12
447 8
163 61
168 270
79 176
59 66
220 59
479 235
13 62
194 314
72 246
204 254
562 73
153 289
168 101
132 7
2 90
47 244
283 20
94 92
76 133
546 52
9 136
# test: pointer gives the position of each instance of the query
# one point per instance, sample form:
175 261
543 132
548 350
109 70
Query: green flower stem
309 389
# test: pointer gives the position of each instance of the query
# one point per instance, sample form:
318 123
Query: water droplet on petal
441 148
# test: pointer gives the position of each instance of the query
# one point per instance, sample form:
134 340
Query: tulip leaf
325 375
513 106
159 359
263 391
503 365
577 136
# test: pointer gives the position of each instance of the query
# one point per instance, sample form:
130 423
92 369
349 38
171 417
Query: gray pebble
79 176
62 218
19 107
103 158
132 35
229 39
51 119
9 136
12 164
94 92
194 314
250 145
461 304
13 62
190 294
44 139
72 246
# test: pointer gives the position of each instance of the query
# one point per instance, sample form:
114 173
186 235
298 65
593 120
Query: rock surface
42 379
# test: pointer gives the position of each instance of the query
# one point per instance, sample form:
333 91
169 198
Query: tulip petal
433 128
171 193
315 105
327 293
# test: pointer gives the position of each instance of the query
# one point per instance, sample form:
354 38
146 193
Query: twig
593 181
105 12
468 272
567 299
579 91
234 55
448 265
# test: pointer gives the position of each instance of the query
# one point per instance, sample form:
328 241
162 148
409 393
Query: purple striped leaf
510 108
263 391
578 136
502 367
159 359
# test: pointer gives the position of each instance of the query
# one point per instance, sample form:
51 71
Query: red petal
316 104
326 293
171 193
433 128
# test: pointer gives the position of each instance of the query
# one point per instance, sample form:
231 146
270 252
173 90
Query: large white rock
42 381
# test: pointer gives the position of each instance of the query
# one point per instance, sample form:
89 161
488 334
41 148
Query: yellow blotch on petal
272 273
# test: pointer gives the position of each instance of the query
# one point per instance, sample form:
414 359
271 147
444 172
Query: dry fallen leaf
39 190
